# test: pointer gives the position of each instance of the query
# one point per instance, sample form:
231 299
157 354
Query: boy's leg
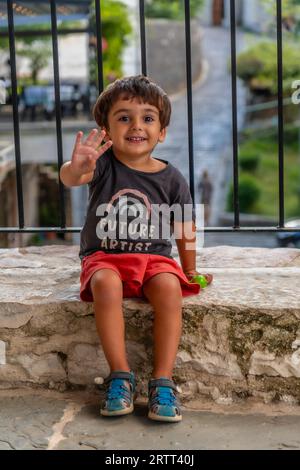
164 293
107 290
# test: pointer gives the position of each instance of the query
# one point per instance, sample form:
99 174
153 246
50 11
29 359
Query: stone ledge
241 336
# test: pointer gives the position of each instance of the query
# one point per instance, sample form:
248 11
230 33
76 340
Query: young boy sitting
122 251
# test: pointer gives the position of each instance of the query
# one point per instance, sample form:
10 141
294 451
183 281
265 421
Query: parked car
35 98
290 239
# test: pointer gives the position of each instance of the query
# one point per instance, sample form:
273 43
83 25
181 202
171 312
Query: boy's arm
187 252
69 178
80 170
185 235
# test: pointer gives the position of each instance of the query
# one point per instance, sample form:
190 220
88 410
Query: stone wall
9 202
166 62
241 335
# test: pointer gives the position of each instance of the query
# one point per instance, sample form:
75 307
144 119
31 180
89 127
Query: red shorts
134 269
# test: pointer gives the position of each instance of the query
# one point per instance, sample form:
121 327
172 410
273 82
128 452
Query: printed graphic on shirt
124 221
140 223
129 222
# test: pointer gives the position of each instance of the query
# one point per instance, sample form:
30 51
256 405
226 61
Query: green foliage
38 54
4 42
49 214
38 49
116 28
258 67
290 15
264 143
35 240
249 193
171 9
289 7
248 161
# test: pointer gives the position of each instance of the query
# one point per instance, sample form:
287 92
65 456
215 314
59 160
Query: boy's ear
162 134
107 136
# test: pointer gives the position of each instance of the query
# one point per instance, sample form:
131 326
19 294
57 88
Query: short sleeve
182 202
102 166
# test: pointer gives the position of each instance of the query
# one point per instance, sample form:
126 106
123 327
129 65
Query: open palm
86 153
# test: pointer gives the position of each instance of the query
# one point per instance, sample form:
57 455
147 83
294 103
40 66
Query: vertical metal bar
280 112
234 116
57 111
99 45
12 52
143 37
187 17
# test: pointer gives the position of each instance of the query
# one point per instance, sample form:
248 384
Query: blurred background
166 64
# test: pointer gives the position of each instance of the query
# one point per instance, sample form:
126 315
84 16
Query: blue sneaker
163 404
118 397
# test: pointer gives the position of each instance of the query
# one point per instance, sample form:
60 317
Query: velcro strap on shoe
162 383
120 375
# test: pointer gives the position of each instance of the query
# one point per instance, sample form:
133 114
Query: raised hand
86 153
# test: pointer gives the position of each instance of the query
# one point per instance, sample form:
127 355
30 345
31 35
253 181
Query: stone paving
71 421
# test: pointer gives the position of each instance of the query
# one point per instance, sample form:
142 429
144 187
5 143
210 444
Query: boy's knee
106 280
165 282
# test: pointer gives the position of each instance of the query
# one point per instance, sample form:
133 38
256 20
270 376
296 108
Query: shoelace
164 396
118 388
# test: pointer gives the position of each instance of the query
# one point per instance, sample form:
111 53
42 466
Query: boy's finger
78 138
91 137
103 148
100 137
86 150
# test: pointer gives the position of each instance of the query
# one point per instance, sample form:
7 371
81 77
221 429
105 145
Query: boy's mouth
136 139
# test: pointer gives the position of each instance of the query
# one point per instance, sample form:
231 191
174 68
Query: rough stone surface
44 419
241 335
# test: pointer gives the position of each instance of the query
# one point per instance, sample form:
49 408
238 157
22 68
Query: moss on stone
249 332
192 320
278 340
280 386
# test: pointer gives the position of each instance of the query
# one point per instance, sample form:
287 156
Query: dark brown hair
140 87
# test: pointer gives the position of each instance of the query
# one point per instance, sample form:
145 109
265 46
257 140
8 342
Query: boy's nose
136 125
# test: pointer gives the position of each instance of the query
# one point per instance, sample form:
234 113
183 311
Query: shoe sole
125 411
170 419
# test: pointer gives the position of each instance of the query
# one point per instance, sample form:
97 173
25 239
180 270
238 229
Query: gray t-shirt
132 211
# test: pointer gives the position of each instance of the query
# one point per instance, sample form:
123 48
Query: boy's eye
127 118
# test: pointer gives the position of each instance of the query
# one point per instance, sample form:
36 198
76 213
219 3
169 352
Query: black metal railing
54 34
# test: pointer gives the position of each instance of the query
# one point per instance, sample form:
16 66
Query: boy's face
134 128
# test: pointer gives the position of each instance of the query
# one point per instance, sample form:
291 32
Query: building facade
249 13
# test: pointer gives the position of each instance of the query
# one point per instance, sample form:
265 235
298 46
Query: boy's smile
134 128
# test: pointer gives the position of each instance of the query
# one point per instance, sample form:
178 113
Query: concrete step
240 338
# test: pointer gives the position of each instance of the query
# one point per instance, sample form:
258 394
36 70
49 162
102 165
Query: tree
257 66
116 28
38 49
290 13
38 54
171 9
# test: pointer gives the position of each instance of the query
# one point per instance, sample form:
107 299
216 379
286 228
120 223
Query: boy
128 257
